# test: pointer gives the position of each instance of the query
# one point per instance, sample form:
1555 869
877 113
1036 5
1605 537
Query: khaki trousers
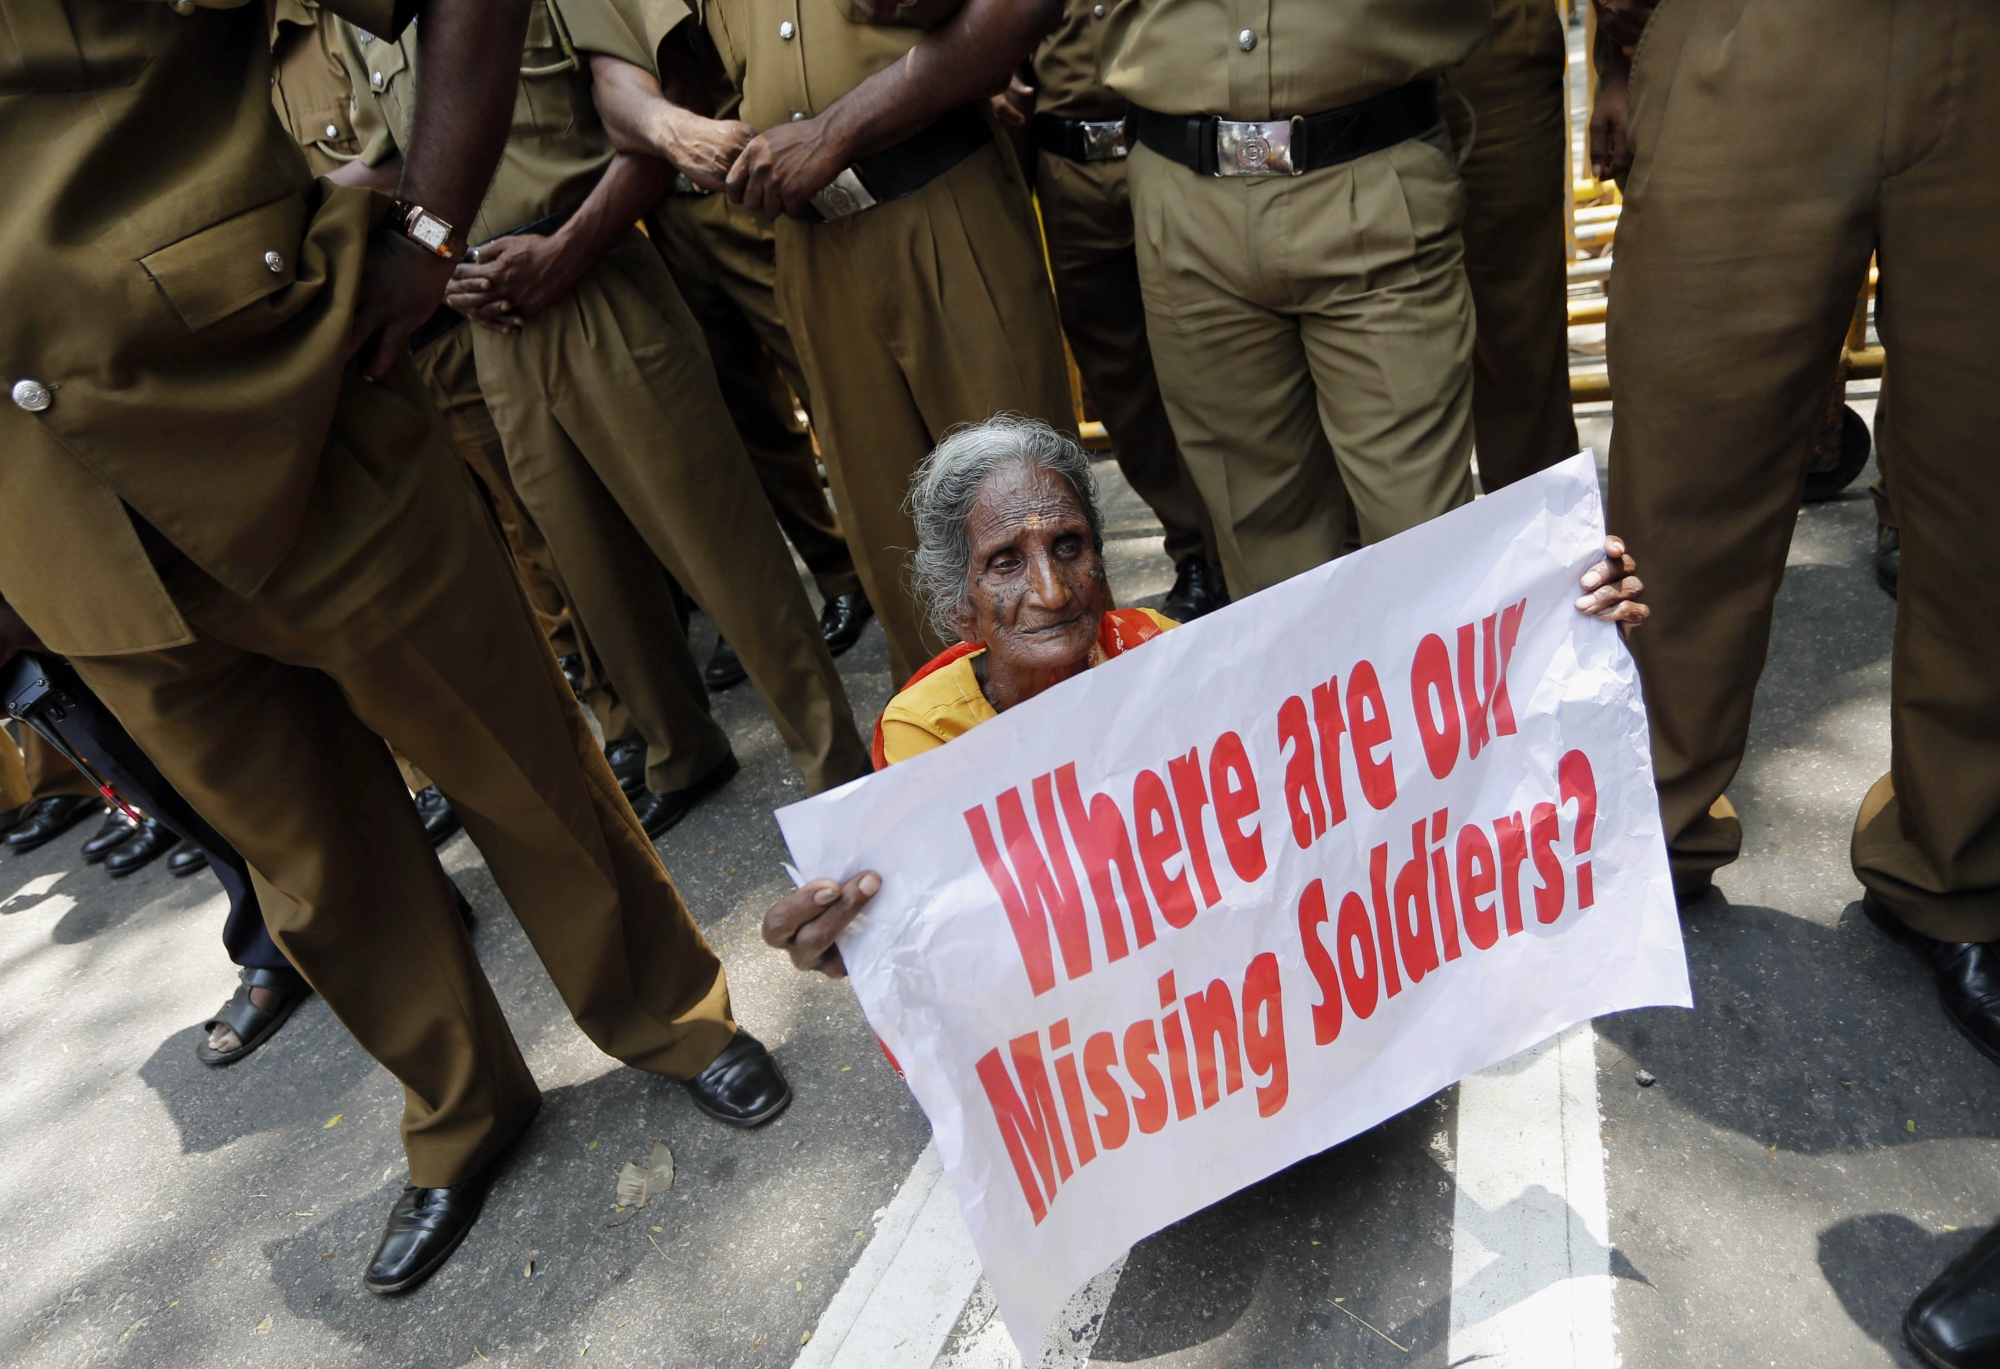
911 317
1516 178
47 774
452 377
14 787
1853 125
1087 217
619 442
724 258
398 617
1313 336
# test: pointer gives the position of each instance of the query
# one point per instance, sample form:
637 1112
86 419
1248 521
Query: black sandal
253 1025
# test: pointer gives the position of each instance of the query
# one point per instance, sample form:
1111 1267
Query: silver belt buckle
1103 140
1256 149
844 195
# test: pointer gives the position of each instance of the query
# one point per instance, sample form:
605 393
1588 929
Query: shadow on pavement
1810 1039
1877 1263
1253 1280
292 1082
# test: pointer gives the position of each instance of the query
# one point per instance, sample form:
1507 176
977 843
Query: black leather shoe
843 618
47 819
1888 556
425 1226
572 669
659 812
1955 1323
724 671
146 845
741 1086
187 859
1198 589
440 821
119 828
628 764
11 819
1968 979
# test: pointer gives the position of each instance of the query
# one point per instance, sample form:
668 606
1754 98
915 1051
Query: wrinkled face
1035 586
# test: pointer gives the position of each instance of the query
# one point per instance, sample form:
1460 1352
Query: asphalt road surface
1818 1143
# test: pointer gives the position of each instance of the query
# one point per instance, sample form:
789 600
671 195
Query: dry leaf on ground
638 1185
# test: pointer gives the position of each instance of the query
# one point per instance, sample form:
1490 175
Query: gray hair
947 485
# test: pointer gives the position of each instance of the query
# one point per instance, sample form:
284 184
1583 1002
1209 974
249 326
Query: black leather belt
904 169
1226 147
1080 140
539 228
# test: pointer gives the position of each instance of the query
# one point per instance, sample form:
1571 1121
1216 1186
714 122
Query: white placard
1255 886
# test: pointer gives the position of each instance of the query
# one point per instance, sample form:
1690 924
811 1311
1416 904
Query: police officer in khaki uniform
613 423
909 269
658 76
1297 210
1868 128
265 561
314 97
1078 128
1510 120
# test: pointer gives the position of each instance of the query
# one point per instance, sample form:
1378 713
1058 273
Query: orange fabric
1117 633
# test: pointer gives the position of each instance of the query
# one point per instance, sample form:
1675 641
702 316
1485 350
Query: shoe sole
746 1122
1898 931
389 1290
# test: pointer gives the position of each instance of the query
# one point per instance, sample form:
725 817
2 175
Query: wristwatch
430 232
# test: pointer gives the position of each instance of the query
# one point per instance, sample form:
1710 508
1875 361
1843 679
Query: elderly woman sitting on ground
1010 560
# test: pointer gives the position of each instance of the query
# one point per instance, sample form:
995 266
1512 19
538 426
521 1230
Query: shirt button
32 395
1246 39
276 261
1097 11
375 81
785 30
796 116
181 6
332 132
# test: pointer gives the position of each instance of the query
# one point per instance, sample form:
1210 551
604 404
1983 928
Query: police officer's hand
703 150
805 922
782 168
1610 122
401 286
514 279
1611 590
1622 21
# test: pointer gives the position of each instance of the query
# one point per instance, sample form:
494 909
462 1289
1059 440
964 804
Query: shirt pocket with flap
208 276
550 70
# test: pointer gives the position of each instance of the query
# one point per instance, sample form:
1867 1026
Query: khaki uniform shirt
793 58
178 289
633 30
1066 81
556 149
1271 59
310 87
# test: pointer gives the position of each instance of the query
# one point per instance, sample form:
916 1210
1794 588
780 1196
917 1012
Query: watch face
430 231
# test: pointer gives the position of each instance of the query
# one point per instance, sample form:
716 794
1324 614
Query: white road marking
913 1283
986 1344
905 1292
1531 1259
